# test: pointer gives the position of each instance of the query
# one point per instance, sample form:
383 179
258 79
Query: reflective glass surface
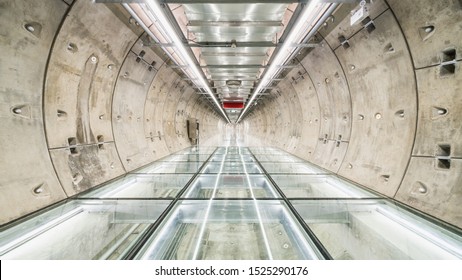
143 186
376 229
196 150
227 230
170 167
186 157
234 167
81 230
231 186
317 186
230 203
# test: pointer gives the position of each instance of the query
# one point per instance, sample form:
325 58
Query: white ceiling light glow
151 17
309 18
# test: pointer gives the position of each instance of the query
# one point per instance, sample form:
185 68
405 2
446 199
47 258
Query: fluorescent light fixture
307 22
152 14
257 208
156 243
207 213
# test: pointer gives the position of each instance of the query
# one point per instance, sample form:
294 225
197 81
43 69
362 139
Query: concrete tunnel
369 92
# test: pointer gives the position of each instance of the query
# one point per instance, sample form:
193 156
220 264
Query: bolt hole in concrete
448 60
17 110
448 69
444 164
389 48
344 42
100 139
61 114
385 178
419 188
72 141
426 32
38 189
449 55
443 150
438 112
29 27
33 28
400 113
368 24
72 47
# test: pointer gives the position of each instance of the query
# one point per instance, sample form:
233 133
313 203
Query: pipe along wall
84 100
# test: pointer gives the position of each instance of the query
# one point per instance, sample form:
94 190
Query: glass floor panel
376 229
170 167
235 158
232 167
143 186
291 168
186 158
318 186
294 211
232 151
196 150
217 158
81 229
231 186
229 230
242 157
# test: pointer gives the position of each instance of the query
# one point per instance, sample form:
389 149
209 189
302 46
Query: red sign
233 105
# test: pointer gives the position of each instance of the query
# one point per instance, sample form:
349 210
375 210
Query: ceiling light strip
311 18
160 21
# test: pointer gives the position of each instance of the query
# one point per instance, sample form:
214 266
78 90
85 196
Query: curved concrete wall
107 108
382 110
83 101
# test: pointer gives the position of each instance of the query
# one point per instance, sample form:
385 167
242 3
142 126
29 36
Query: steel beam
266 44
265 23
236 54
233 66
233 1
